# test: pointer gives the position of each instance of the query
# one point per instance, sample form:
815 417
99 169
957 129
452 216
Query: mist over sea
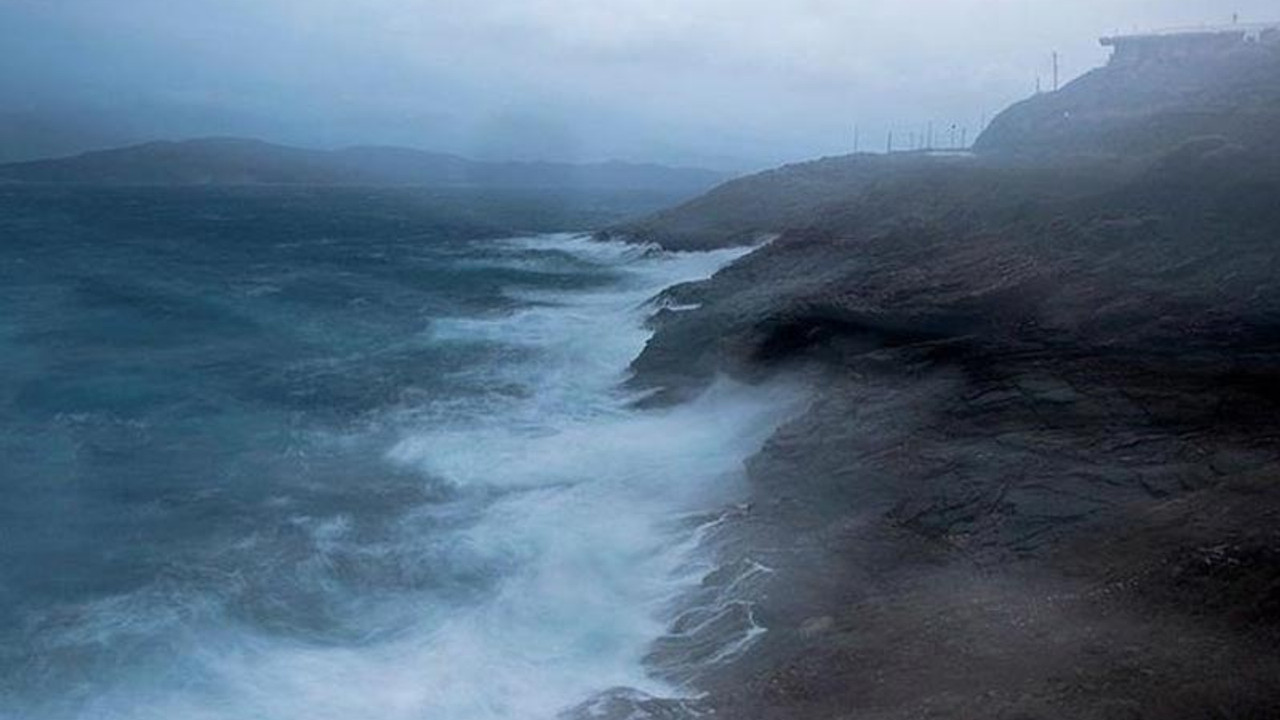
263 464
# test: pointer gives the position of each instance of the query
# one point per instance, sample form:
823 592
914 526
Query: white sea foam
580 501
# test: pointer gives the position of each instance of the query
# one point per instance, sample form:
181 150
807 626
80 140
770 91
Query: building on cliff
1189 43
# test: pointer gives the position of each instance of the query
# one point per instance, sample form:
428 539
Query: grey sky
692 81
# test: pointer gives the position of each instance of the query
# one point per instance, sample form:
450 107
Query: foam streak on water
553 548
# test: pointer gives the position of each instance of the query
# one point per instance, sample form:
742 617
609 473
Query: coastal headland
1038 475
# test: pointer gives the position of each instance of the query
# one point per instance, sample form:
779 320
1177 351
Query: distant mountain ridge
236 161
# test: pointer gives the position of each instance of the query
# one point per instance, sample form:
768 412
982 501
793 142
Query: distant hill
1180 113
233 161
1157 92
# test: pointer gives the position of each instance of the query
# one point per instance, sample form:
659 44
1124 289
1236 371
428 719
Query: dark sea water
314 456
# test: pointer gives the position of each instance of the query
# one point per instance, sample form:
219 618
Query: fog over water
725 83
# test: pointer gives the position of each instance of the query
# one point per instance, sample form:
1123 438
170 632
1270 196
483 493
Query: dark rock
1037 475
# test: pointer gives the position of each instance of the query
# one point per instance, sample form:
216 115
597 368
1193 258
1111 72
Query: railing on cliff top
1250 28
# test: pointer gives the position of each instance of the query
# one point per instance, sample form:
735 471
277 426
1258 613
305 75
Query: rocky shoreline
1037 478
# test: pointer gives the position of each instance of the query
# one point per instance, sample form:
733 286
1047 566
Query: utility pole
1038 90
964 137
889 144
930 143
1055 71
855 139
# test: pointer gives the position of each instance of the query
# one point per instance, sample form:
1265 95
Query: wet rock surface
1039 476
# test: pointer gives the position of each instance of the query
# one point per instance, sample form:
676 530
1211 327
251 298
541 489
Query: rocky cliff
1038 476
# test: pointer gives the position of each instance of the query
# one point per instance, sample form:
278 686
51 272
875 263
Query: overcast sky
718 82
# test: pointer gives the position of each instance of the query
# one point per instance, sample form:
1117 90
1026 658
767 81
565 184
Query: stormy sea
262 460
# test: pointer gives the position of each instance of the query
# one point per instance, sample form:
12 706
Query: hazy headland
1037 477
